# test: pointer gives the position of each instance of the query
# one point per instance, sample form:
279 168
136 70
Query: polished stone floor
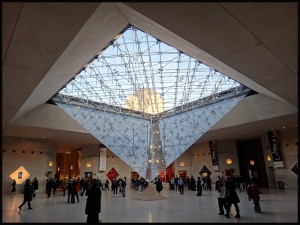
278 206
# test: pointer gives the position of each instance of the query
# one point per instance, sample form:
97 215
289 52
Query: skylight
146 101
140 73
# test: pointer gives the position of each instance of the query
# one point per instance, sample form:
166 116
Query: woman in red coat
253 193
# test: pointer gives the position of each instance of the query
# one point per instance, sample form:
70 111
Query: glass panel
147 101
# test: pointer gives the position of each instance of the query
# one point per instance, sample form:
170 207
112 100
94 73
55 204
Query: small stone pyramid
150 194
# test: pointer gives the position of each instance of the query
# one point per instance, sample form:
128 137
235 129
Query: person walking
253 193
13 189
28 191
199 187
231 197
93 202
220 187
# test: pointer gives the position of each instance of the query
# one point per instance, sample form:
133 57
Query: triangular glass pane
146 101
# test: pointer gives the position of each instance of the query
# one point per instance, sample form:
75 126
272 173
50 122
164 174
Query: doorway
229 172
88 175
250 157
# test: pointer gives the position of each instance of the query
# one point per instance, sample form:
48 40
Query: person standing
70 189
208 183
75 190
188 182
35 184
49 186
220 187
13 189
123 186
64 184
181 185
193 184
231 197
93 202
199 187
142 184
28 191
176 182
253 193
107 184
158 184
114 186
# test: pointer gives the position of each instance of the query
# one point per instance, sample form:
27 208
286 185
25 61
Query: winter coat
28 191
93 202
230 193
253 191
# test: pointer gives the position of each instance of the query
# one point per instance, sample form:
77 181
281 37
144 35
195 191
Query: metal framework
146 101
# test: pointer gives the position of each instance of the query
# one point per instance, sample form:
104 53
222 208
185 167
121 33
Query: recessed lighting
283 127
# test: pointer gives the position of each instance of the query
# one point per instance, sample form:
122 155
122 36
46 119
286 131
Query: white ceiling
45 44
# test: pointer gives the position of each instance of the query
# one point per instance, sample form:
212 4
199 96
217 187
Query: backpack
180 182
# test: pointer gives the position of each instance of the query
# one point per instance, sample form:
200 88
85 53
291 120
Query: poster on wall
275 148
213 153
112 174
20 174
102 159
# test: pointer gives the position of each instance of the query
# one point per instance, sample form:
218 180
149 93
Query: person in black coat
231 197
13 189
93 202
158 184
35 184
28 191
199 187
193 184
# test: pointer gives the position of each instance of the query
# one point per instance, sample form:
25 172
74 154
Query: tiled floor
278 206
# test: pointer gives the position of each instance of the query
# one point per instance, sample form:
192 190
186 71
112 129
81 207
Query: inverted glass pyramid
146 101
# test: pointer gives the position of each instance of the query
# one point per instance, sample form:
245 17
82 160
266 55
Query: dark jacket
159 185
28 191
231 195
253 191
93 202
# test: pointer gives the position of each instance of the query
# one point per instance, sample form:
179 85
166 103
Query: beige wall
194 158
35 163
288 140
199 155
91 153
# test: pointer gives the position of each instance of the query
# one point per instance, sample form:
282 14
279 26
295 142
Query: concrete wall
91 153
37 163
35 159
288 140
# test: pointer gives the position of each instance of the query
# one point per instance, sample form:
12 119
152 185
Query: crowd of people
226 187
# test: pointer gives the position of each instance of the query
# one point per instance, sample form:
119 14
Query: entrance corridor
278 206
